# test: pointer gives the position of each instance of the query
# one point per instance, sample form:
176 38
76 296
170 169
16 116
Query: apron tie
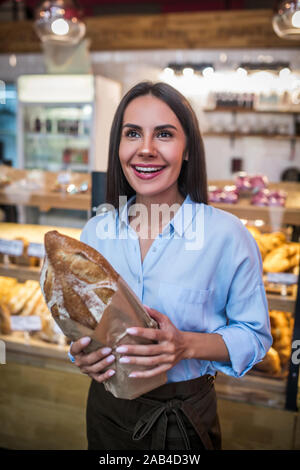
159 416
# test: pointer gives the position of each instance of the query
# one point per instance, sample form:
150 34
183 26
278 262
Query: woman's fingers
97 367
148 360
102 377
145 350
151 372
149 333
79 345
93 357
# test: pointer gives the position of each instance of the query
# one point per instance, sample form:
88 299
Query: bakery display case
271 213
36 348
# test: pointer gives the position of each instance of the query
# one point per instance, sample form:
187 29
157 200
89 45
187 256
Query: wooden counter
37 188
43 399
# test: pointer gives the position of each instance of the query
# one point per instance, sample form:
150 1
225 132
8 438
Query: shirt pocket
186 308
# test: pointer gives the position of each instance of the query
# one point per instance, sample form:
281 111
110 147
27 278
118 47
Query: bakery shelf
21 273
241 135
28 350
37 188
252 388
280 302
236 109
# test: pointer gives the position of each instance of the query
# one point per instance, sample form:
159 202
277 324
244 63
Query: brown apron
175 416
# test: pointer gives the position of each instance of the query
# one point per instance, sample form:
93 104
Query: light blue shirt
204 272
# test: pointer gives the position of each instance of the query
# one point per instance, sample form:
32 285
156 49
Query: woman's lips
147 176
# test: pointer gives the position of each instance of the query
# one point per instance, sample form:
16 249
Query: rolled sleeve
247 335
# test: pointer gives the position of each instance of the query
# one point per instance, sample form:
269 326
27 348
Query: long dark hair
192 179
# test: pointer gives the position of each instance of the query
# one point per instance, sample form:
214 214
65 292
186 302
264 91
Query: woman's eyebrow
157 128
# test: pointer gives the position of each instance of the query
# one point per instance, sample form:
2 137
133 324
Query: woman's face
152 147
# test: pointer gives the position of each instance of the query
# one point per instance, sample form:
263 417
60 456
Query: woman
196 267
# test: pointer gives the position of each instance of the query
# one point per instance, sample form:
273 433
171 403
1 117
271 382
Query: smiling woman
152 150
196 267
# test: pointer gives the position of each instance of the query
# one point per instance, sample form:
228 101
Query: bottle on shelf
37 125
48 125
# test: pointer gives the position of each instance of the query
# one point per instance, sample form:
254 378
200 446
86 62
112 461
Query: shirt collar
180 222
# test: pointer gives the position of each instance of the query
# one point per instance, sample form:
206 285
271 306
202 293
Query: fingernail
121 349
132 331
132 374
85 341
111 372
124 359
110 358
105 351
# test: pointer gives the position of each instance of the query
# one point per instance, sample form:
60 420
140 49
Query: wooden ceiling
218 29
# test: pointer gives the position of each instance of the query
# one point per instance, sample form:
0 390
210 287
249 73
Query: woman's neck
155 213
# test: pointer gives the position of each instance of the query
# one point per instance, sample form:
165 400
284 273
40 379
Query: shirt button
154 249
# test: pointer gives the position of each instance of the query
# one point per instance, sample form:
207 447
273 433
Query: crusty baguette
77 282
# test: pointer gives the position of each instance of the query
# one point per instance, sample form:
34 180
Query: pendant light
58 22
286 20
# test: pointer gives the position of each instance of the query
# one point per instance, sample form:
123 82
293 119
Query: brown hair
192 179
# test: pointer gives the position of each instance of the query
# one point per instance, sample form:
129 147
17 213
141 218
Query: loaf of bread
77 281
87 297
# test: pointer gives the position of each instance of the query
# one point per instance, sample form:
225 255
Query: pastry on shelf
283 258
20 294
24 299
7 285
24 259
282 331
273 240
49 330
270 363
4 319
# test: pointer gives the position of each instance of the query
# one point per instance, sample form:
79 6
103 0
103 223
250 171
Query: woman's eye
131 133
164 134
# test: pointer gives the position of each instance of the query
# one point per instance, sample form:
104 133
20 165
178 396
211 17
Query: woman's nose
147 147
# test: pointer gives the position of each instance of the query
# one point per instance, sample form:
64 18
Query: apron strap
159 416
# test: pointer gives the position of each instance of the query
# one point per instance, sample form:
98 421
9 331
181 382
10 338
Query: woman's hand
94 363
160 357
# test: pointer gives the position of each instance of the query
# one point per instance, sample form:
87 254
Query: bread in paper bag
87 297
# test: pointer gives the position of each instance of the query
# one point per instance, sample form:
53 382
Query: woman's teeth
147 169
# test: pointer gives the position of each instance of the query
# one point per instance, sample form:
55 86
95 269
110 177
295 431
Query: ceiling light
242 72
208 71
168 72
188 72
286 20
296 19
285 72
58 21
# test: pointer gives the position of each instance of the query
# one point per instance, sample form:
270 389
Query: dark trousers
175 416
